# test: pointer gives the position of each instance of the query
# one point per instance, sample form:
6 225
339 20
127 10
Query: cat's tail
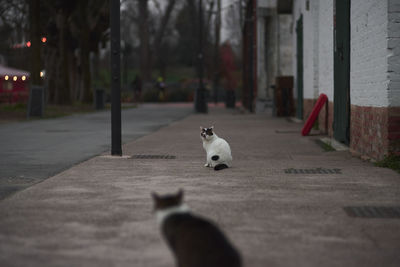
220 166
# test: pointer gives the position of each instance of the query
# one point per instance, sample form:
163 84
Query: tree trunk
160 57
145 65
34 17
216 51
84 48
86 95
51 69
63 96
194 23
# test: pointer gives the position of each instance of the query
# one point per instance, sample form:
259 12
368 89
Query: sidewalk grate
153 157
373 212
313 171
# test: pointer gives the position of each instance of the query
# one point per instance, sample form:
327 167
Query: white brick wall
308 52
325 48
394 52
294 67
374 51
315 15
369 54
318 47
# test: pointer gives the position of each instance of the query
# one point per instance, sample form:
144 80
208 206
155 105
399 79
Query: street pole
200 101
116 149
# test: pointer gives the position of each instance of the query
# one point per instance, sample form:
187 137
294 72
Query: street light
200 97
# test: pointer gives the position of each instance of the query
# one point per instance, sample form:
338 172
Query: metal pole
116 149
200 103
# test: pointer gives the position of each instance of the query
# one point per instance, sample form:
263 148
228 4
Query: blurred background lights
6 77
41 74
15 78
23 78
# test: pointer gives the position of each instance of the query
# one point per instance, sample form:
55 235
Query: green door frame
299 78
341 55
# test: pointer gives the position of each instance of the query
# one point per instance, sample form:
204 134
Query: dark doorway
299 78
341 101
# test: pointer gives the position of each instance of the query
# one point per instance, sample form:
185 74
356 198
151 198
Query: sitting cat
218 151
194 241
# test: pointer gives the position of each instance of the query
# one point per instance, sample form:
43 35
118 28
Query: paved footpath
98 213
35 150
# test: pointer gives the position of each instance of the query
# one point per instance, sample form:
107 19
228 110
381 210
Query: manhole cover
373 212
313 171
153 157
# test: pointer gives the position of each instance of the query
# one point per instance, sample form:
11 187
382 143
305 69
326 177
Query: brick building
350 51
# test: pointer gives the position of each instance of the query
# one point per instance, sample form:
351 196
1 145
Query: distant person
161 89
137 89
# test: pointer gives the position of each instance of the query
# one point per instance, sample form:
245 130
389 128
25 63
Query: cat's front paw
206 165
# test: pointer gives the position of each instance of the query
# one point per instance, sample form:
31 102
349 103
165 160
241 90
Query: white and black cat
218 150
194 241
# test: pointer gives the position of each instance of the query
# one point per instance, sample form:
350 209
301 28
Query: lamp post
200 97
116 148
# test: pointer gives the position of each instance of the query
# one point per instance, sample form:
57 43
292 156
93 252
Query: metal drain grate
313 171
153 157
373 212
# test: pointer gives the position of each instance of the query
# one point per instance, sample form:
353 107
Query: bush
150 95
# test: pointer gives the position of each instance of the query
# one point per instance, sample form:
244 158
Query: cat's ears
212 127
155 196
180 194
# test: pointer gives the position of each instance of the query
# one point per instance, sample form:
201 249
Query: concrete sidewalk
98 213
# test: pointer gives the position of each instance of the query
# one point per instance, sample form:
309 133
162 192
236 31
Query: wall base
374 131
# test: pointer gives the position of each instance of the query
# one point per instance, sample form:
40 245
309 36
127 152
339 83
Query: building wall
368 53
285 45
271 69
324 15
374 70
394 52
325 48
315 16
317 50
261 63
394 76
375 78
274 42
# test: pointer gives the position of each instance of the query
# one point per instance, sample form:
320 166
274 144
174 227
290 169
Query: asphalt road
33 151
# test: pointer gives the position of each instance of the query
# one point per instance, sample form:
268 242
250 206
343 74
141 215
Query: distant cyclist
161 89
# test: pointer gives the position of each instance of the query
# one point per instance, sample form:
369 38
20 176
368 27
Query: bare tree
143 20
34 19
14 15
88 25
217 30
